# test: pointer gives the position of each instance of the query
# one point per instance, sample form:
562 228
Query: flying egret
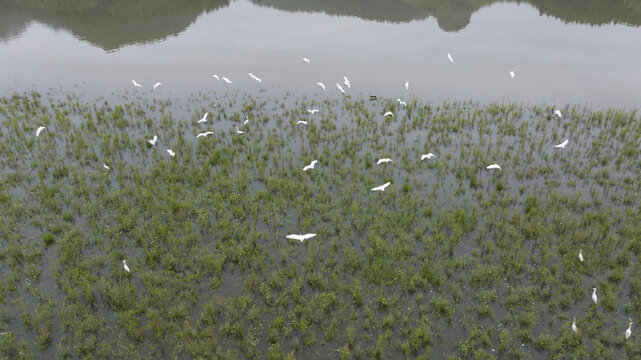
124 264
389 113
346 82
312 111
562 145
39 130
512 74
594 297
383 160
238 131
153 141
407 85
300 238
340 88
449 56
321 85
171 152
205 134
628 332
401 102
135 83
301 122
105 166
216 77
204 119
574 328
558 113
255 78
382 187
227 80
427 156
156 85
580 255
310 166
306 60
493 166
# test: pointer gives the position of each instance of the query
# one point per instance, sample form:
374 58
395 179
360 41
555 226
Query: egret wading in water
574 328
594 297
628 332
171 152
124 264
105 166
558 113
238 131
580 255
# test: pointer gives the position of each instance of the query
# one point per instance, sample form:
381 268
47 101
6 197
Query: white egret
205 134
246 120
312 111
204 119
562 145
301 122
300 238
389 113
382 187
306 60
512 74
427 156
153 141
558 113
171 152
383 160
449 56
124 264
594 297
238 131
574 328
340 88
310 166
493 166
105 166
580 255
321 85
215 77
227 80
156 85
401 102
39 130
255 78
628 332
135 83
407 85
346 82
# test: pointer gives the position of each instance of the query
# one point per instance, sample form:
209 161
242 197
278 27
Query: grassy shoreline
451 261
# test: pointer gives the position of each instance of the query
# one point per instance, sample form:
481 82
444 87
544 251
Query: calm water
561 52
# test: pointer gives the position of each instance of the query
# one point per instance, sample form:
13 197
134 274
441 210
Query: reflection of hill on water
111 24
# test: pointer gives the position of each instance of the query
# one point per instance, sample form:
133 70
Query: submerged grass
451 261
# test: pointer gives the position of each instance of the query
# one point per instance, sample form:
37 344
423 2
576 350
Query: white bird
427 156
171 152
204 119
153 141
39 130
246 120
558 113
135 83
105 166
310 166
382 187
580 255
628 332
407 85
594 297
449 56
255 78
300 238
239 131
389 113
227 80
301 122
340 88
383 160
156 85
574 328
562 145
347 83
216 77
124 264
205 134
306 60
512 74
321 85
494 166
312 111
401 102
